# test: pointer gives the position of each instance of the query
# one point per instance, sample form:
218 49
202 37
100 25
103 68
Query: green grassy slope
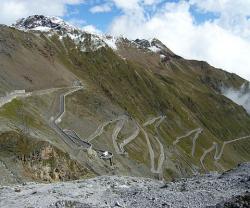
187 92
143 86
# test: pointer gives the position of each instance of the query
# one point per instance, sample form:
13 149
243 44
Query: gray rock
230 189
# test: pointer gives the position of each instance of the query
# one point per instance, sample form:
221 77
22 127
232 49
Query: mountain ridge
54 24
138 80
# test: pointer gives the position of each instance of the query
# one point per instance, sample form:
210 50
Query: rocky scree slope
129 83
231 189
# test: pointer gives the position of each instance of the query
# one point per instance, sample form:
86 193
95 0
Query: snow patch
162 56
154 49
111 42
42 29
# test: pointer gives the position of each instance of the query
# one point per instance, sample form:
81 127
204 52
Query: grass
20 114
187 92
10 109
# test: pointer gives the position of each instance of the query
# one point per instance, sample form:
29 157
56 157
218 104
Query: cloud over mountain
223 41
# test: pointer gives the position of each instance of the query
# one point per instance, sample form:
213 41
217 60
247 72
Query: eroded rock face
39 160
143 43
50 164
210 190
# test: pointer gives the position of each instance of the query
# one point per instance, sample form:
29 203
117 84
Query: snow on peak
154 45
55 25
110 41
42 23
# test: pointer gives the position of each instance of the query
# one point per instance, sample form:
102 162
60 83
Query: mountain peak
48 24
42 23
154 45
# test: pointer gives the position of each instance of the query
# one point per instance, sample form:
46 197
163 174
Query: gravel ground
211 190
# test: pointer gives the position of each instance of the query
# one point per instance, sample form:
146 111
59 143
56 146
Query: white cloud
241 96
11 10
233 15
176 27
101 8
92 29
150 2
222 6
127 4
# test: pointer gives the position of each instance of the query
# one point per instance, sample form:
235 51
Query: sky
216 31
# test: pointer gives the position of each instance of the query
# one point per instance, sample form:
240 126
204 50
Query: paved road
151 151
210 149
197 132
98 132
55 120
152 120
162 154
161 158
130 138
100 129
77 138
120 148
62 103
177 140
116 131
70 136
218 154
21 93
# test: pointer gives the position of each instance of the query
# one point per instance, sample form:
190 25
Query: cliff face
157 113
27 159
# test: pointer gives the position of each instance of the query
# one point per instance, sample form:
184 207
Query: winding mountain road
197 132
77 138
116 131
152 120
218 154
151 151
70 136
52 122
62 103
55 120
210 149
130 138
161 158
23 94
162 154
100 129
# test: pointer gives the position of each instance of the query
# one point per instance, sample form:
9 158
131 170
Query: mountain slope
159 114
29 62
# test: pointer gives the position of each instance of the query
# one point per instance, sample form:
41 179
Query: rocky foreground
230 189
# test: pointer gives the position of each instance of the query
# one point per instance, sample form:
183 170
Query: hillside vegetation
193 120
